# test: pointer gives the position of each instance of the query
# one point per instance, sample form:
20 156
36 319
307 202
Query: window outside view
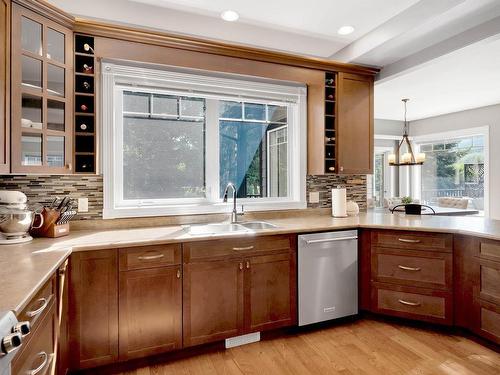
165 152
454 168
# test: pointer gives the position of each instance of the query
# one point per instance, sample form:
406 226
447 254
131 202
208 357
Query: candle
392 159
420 157
406 157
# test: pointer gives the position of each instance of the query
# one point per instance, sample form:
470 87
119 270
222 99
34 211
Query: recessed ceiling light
345 30
229 15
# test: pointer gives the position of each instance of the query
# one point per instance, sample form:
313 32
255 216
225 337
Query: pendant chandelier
408 158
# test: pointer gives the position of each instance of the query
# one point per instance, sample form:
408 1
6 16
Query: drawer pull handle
406 240
243 248
409 268
150 257
44 303
403 302
44 363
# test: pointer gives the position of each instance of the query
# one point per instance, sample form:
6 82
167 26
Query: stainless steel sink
222 228
258 225
225 228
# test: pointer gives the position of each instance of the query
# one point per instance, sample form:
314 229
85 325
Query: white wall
479 117
388 127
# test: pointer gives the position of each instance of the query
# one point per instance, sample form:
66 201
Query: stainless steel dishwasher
328 276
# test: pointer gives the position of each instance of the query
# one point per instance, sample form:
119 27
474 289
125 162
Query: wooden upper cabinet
41 94
354 128
4 85
93 308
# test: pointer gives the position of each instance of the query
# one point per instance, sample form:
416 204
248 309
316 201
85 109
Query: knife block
49 227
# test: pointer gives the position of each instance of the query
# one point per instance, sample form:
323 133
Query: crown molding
49 11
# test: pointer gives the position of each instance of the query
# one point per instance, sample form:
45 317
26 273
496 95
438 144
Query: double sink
226 228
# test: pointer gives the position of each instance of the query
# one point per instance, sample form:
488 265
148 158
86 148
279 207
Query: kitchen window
174 140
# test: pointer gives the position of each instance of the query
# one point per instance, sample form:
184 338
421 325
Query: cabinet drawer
38 304
413 240
413 268
37 355
490 321
414 303
237 247
489 286
149 257
489 250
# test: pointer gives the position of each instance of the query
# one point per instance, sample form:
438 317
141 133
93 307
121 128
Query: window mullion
212 164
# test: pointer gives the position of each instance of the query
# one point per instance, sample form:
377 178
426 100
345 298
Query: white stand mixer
16 219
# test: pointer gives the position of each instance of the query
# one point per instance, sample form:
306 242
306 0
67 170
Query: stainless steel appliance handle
332 239
409 268
408 240
243 248
32 313
43 365
403 302
150 257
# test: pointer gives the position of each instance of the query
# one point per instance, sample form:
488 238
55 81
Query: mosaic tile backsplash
43 188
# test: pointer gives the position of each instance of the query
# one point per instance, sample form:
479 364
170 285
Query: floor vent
242 340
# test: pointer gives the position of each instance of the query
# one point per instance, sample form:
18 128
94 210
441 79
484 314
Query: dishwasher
328 276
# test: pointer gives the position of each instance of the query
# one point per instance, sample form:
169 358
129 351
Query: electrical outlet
83 205
314 197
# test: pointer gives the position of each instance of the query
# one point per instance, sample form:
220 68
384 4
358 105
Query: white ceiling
444 55
307 28
467 78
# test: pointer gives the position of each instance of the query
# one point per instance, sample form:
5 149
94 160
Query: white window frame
117 78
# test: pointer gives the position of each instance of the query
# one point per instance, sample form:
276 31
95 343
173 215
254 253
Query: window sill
199 209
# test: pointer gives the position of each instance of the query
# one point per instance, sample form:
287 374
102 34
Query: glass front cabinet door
42 80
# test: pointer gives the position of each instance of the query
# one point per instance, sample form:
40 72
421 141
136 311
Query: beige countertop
25 268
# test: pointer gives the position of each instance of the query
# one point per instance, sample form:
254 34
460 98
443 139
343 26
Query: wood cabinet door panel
413 268
150 311
93 308
489 250
354 136
212 301
270 292
489 321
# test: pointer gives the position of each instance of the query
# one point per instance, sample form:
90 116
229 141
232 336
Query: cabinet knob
248 264
69 166
179 274
241 266
342 169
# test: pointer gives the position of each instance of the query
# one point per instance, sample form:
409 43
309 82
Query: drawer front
413 269
413 240
489 287
490 321
37 356
150 256
38 304
412 303
237 247
489 250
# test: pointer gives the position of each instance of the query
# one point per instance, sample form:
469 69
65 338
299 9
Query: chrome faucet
234 213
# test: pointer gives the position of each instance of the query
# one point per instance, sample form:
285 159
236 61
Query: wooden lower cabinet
150 302
240 291
270 292
37 355
93 308
213 301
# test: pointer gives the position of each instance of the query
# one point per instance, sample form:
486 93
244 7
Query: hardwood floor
361 347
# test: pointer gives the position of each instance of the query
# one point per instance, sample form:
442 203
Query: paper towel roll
339 202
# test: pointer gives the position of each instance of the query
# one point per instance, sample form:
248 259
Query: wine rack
85 115
330 122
